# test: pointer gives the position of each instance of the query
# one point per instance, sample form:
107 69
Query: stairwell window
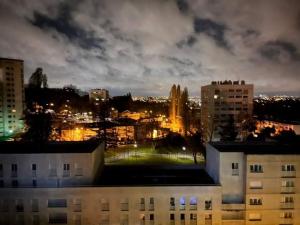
235 169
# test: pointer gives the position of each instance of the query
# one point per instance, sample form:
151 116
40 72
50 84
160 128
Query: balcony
286 221
14 173
52 173
151 207
124 207
286 205
66 173
287 190
208 222
172 207
235 172
181 207
288 173
233 216
104 206
78 172
142 207
193 207
77 208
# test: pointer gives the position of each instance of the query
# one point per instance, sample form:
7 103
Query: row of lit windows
258 168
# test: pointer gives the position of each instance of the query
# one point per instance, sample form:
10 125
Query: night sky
144 46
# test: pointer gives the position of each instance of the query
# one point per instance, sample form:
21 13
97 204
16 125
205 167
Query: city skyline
146 46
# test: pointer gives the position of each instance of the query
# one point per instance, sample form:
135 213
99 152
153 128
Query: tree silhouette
228 131
38 79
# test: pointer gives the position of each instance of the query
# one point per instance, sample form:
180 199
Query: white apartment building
11 96
222 99
243 184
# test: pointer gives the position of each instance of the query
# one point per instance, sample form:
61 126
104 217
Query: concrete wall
213 163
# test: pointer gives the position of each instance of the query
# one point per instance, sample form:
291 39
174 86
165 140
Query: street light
135 147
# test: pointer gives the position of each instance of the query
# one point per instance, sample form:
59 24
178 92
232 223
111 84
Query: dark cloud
63 24
280 51
212 29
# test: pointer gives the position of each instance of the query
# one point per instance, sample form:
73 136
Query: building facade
221 100
244 184
11 96
98 95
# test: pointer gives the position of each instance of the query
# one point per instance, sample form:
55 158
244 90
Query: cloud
144 46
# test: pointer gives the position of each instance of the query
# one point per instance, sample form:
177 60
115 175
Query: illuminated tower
11 96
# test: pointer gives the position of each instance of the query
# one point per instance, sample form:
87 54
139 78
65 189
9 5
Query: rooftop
272 148
7 147
158 175
21 60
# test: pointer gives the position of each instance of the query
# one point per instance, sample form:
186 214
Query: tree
287 136
228 131
197 145
248 125
39 125
266 132
38 79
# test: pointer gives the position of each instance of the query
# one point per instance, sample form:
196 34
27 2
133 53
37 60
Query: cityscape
129 112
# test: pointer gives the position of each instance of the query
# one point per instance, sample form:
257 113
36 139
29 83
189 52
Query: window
193 203
288 167
286 215
151 204
182 203
19 205
235 169
57 203
193 217
66 172
14 183
34 205
287 183
172 203
256 185
14 170
124 204
287 199
256 168
105 205
34 183
1 170
35 220
77 205
172 217
255 201
1 183
182 217
208 204
58 218
33 169
142 219
151 217
142 204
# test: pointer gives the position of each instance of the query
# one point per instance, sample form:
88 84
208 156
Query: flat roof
271 148
16 147
154 175
1 58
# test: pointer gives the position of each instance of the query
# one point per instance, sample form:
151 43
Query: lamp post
184 149
135 149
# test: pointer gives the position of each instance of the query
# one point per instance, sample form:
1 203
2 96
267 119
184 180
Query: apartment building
98 95
11 96
243 184
261 179
221 100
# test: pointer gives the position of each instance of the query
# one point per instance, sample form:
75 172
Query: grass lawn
150 159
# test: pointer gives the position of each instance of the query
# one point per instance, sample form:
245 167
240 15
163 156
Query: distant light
183 148
51 104
13 110
10 131
135 145
216 96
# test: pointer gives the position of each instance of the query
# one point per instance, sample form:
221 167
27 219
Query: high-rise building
221 100
178 109
97 95
11 96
